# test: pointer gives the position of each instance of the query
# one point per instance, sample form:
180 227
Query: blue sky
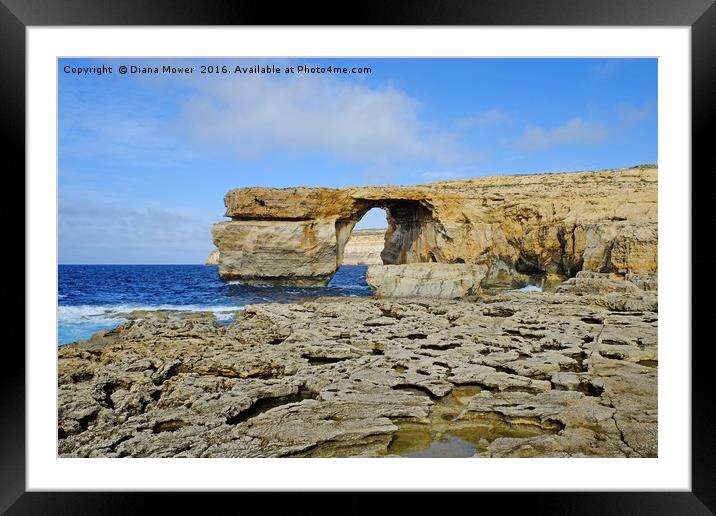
145 160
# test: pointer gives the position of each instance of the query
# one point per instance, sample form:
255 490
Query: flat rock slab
432 280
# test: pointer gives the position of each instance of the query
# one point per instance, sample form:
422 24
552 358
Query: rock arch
409 222
543 223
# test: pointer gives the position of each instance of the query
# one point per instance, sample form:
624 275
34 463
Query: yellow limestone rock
213 258
434 280
364 247
561 223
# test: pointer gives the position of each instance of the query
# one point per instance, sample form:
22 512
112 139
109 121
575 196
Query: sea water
93 297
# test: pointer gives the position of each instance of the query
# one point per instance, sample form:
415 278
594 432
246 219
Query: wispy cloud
87 227
488 118
574 130
580 131
91 130
257 115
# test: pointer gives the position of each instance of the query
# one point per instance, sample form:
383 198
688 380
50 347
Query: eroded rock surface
433 280
517 374
604 221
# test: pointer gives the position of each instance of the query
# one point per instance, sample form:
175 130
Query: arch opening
409 224
366 239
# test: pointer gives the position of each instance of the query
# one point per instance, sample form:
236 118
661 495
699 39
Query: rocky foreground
565 374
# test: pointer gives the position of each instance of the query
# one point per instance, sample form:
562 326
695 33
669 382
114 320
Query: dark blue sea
92 296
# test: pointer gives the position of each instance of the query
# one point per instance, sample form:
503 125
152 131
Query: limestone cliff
364 247
213 258
602 221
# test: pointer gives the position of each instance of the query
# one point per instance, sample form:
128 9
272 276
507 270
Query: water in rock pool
93 297
448 432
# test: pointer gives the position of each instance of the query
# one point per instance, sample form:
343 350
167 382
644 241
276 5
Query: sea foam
81 321
82 313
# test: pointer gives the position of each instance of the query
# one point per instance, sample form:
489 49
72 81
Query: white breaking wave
528 288
80 314
350 287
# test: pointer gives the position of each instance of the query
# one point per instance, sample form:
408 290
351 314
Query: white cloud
488 118
578 130
145 140
575 130
90 232
257 115
251 116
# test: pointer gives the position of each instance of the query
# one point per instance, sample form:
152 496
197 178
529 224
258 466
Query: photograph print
343 257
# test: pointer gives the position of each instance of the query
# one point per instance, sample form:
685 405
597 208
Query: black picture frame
700 15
